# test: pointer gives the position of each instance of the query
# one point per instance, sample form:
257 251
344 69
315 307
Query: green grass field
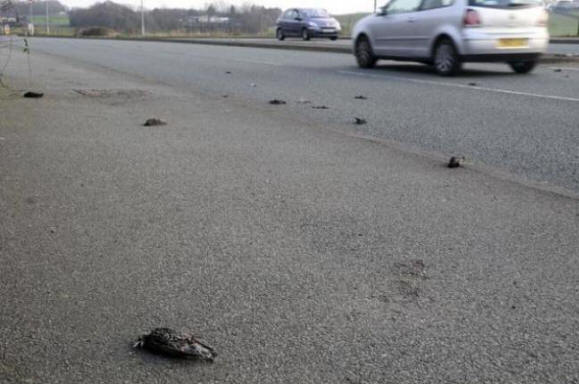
52 19
563 25
348 21
559 25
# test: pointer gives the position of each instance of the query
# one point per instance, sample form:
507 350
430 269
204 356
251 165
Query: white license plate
328 29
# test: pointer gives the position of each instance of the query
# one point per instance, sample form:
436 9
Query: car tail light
472 18
543 19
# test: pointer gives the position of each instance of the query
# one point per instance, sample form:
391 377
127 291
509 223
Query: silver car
447 33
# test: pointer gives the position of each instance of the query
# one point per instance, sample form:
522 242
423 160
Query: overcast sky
333 6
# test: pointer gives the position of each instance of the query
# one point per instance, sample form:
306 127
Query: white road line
565 68
463 86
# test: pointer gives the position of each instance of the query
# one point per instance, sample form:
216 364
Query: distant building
206 19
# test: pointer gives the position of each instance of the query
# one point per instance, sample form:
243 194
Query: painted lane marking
463 86
565 68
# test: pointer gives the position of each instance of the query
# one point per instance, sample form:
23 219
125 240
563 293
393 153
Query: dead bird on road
33 95
165 341
154 122
456 161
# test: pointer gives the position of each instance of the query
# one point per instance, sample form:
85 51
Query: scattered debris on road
253 85
31 200
456 161
154 122
557 70
304 101
411 275
33 95
277 102
167 342
415 268
360 97
122 94
473 84
320 107
225 96
405 284
228 72
359 121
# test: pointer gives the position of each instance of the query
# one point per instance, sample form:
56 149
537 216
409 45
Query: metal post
28 30
142 18
47 21
375 5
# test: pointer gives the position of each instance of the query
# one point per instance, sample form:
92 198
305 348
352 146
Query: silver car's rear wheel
364 54
523 66
446 60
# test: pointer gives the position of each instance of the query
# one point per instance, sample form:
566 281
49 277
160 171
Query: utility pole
375 5
30 28
143 18
47 21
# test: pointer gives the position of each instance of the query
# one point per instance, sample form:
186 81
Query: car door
393 29
293 23
300 21
433 14
287 22
282 22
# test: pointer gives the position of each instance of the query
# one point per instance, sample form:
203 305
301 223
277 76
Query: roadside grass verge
60 20
564 25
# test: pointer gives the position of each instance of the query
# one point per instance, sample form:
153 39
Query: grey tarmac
302 250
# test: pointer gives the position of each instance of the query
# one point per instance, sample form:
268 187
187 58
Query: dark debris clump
33 95
154 122
456 161
167 342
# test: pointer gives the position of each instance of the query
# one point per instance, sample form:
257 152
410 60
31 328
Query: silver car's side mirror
382 11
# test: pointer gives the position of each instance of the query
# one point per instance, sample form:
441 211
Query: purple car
307 23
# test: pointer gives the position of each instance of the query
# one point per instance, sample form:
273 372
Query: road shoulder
282 243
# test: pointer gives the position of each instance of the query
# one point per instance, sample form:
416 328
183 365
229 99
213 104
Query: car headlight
335 24
312 24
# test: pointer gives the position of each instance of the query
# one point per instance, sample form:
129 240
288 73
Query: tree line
214 17
22 10
25 8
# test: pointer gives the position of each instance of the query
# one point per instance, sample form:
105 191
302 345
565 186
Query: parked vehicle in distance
307 23
565 5
447 33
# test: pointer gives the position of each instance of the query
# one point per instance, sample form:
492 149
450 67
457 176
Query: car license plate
513 43
328 29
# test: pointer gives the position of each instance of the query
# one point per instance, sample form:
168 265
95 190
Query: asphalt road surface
526 125
303 252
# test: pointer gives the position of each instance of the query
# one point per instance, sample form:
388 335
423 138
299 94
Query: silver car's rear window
505 3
